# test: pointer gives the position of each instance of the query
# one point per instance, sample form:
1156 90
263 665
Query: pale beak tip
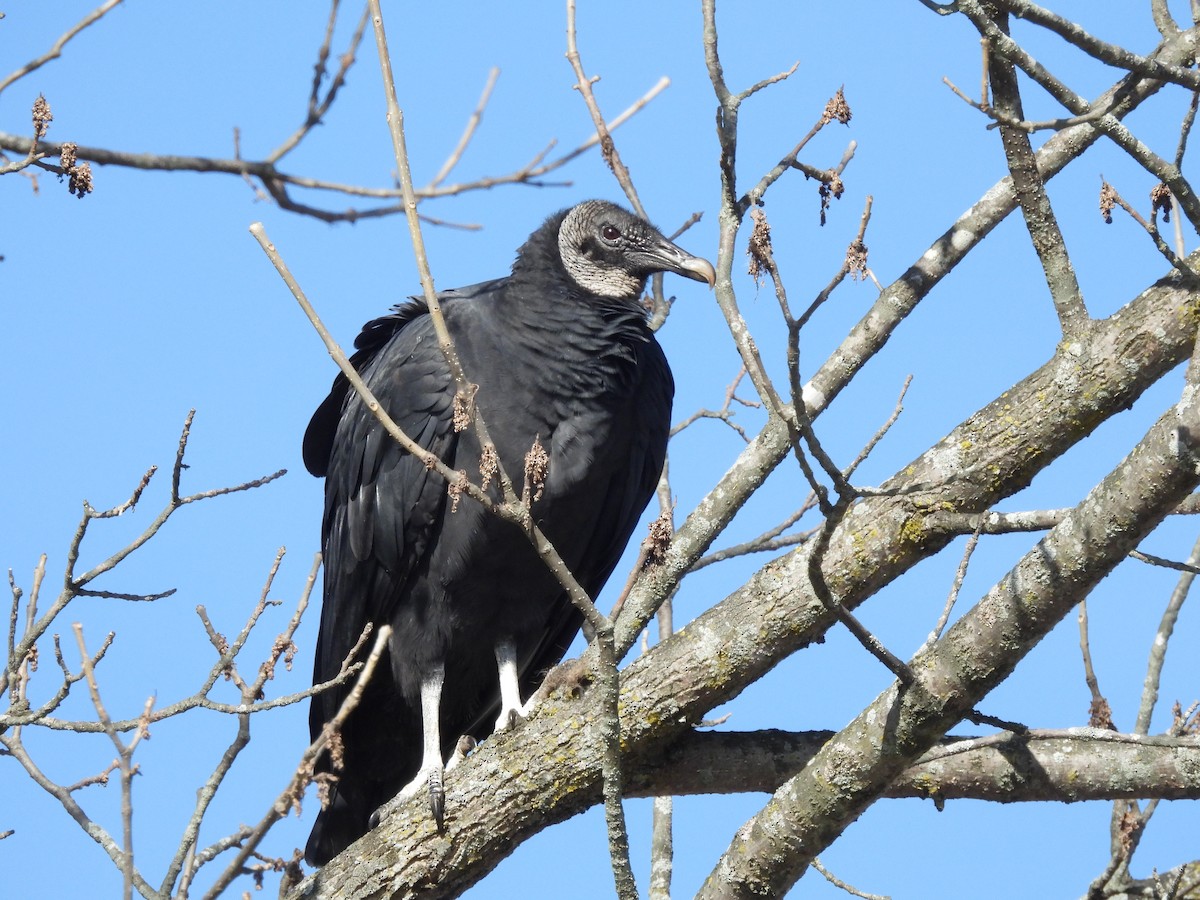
700 270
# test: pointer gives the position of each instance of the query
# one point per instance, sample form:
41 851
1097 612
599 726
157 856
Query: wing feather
381 501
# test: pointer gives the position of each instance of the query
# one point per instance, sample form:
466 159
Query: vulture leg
431 773
511 709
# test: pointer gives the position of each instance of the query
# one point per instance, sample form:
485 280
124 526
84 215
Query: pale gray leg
512 710
430 776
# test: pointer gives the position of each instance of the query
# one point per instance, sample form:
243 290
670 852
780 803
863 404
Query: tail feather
338 826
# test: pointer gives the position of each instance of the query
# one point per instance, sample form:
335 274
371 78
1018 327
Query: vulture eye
610 232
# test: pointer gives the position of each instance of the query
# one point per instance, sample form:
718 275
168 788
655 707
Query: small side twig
1110 197
848 888
318 107
959 576
124 760
303 772
469 131
55 51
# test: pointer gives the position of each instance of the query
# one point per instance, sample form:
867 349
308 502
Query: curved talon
465 745
437 799
427 782
512 710
508 719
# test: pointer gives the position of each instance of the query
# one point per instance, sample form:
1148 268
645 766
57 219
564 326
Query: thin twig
469 131
848 888
770 540
276 182
303 772
820 587
464 389
1109 193
56 51
73 584
583 84
64 796
186 861
1100 714
959 576
1158 647
855 260
608 149
609 678
124 761
725 413
317 108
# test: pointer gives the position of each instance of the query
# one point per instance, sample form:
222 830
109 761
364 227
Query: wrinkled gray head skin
611 252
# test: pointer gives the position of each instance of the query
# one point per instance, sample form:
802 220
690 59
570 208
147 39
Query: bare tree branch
56 50
576 752
1044 233
1042 765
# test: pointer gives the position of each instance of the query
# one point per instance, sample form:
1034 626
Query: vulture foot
428 779
465 745
512 716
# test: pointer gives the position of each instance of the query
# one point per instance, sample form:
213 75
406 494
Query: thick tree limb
1079 764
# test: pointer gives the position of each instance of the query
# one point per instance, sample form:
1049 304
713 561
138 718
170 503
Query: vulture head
611 252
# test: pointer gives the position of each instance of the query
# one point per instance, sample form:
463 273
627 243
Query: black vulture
562 355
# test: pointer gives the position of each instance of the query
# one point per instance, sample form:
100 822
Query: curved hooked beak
667 257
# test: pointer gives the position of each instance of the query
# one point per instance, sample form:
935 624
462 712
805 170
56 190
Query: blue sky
120 312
